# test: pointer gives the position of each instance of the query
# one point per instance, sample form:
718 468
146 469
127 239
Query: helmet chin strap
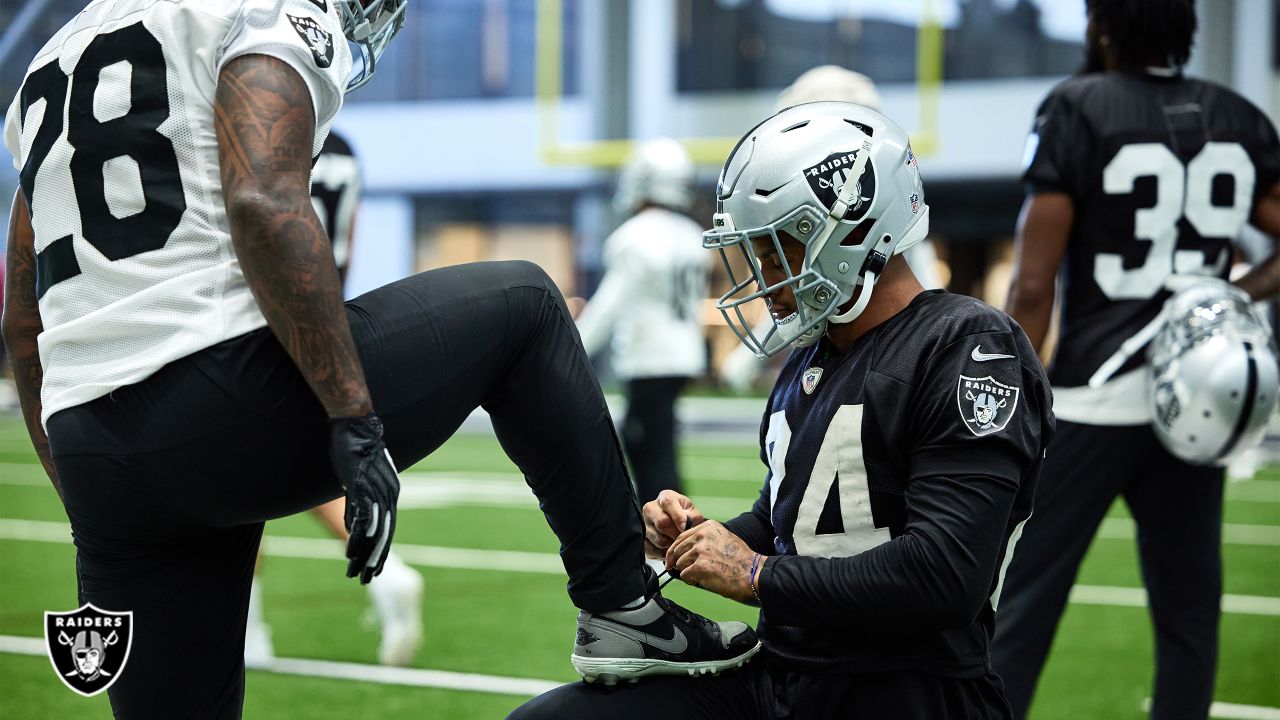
864 297
844 200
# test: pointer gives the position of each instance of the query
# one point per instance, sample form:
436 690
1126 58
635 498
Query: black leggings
168 481
649 434
765 689
1178 511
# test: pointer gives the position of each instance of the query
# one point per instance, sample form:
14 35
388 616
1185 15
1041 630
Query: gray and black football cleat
658 638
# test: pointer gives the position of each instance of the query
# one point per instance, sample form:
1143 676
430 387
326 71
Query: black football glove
362 464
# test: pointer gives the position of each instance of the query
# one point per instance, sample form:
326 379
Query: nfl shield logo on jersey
810 379
88 647
986 404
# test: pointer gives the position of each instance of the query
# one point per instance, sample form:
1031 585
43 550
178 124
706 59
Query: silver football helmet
659 172
370 25
814 173
1214 373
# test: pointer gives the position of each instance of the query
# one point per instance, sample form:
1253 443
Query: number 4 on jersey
839 463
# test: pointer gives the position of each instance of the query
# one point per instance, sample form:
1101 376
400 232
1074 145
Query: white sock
392 566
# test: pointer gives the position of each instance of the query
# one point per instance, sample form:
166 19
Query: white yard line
1233 711
549 564
433 490
1137 597
381 674
1232 533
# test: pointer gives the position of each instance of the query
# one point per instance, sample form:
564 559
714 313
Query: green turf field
507 616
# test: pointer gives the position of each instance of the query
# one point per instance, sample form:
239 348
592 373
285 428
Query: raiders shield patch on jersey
88 647
828 178
320 42
986 404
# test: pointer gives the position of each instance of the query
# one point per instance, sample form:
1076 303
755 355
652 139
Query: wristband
751 575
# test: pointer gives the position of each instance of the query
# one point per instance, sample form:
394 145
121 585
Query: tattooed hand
710 557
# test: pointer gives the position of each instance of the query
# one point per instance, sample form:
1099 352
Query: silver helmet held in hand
814 173
1214 373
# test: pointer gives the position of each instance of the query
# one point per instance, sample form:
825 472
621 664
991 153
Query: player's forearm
1032 308
1263 281
289 267
265 129
21 328
27 379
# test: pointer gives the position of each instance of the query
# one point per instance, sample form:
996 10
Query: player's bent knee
523 273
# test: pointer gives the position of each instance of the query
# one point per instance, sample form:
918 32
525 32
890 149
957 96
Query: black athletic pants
649 434
1178 511
168 481
764 689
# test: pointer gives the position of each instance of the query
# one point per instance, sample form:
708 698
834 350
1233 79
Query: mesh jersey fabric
113 132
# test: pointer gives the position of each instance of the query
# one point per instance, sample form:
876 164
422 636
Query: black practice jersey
897 474
335 192
1163 172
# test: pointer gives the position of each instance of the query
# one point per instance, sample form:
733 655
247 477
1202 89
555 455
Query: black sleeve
1266 158
965 471
1057 149
755 527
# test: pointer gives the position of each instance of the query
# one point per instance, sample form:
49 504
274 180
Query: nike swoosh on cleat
676 644
979 356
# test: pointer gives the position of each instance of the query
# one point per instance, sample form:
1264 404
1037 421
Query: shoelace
672 573
686 615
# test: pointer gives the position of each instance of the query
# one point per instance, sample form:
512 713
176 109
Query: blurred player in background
1135 173
902 439
742 368
655 279
187 368
396 594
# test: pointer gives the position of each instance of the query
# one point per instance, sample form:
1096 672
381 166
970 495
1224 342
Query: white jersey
113 133
650 298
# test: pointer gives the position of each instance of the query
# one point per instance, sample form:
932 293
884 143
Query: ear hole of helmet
858 235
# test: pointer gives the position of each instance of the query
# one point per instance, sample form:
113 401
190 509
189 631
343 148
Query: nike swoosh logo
675 645
979 356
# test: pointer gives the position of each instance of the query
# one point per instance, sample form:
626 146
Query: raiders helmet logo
320 42
88 647
986 404
828 178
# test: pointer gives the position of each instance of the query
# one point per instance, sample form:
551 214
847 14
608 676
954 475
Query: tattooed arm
265 126
22 326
